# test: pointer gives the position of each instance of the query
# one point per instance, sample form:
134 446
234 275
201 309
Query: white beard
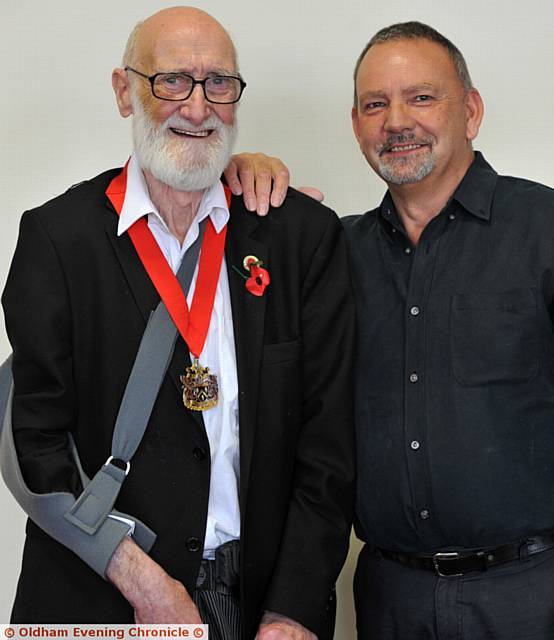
186 164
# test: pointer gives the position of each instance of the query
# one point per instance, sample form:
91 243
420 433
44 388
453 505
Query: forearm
154 595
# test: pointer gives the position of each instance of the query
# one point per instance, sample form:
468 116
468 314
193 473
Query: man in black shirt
455 399
454 282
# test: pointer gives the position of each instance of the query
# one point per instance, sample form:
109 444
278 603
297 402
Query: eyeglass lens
178 86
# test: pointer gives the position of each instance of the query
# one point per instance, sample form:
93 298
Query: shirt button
424 514
198 453
414 311
408 250
414 377
193 544
415 445
452 216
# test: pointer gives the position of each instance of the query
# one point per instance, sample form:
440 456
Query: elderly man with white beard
249 485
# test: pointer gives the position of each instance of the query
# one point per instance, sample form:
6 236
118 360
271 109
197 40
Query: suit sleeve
317 530
38 322
39 325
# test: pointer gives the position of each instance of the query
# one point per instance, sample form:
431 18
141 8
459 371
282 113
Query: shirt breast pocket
494 337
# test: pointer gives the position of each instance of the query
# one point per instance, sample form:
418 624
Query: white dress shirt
221 422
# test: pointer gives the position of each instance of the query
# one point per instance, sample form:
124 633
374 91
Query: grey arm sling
83 525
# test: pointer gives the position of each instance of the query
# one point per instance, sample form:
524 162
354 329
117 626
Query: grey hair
412 31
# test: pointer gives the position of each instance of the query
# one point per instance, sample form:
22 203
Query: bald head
168 30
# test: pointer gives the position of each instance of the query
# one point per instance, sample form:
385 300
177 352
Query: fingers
281 181
314 193
232 178
262 180
280 631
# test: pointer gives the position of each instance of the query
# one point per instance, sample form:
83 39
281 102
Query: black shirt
455 390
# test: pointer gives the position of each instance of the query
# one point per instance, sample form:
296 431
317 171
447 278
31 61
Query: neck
418 203
177 208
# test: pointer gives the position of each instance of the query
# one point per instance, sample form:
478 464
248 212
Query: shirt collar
476 190
475 193
137 202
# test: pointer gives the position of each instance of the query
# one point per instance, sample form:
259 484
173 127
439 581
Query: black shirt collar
476 190
475 193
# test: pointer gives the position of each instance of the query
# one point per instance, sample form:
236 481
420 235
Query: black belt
221 574
457 563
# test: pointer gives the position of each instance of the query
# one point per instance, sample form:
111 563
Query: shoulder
359 225
525 206
524 189
299 219
75 221
78 206
298 209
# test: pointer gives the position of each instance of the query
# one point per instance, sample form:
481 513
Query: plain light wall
60 124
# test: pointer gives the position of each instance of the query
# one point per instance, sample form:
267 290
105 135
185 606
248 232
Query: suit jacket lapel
147 299
140 285
248 326
248 318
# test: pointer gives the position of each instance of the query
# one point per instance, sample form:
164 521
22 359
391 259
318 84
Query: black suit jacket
76 303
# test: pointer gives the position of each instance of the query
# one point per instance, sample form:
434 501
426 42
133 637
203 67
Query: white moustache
175 121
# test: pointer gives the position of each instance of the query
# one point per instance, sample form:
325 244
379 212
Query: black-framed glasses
179 86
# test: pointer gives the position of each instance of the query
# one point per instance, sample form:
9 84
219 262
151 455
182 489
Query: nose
196 108
399 117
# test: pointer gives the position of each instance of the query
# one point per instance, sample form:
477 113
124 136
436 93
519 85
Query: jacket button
193 544
198 453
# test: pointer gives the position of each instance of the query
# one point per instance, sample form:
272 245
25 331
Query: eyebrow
418 88
372 95
414 88
217 71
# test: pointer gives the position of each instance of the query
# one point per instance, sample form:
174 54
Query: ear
356 123
474 113
122 89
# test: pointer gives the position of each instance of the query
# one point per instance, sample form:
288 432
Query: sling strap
83 525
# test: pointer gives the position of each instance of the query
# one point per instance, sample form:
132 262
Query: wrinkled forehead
406 61
187 48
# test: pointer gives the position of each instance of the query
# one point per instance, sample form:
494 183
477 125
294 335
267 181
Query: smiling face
414 121
185 144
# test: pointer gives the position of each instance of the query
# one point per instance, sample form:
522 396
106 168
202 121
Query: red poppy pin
259 277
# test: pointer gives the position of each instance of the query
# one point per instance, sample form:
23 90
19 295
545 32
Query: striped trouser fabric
220 610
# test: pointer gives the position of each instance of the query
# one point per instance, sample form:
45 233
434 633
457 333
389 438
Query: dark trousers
217 593
513 601
221 612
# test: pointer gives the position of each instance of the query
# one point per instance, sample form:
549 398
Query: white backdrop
60 124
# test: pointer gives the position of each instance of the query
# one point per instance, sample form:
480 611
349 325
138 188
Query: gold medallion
200 389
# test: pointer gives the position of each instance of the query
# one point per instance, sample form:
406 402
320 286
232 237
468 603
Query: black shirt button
408 250
193 544
415 445
198 453
424 514
414 377
452 216
414 311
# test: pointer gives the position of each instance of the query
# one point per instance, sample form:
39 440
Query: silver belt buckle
443 555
